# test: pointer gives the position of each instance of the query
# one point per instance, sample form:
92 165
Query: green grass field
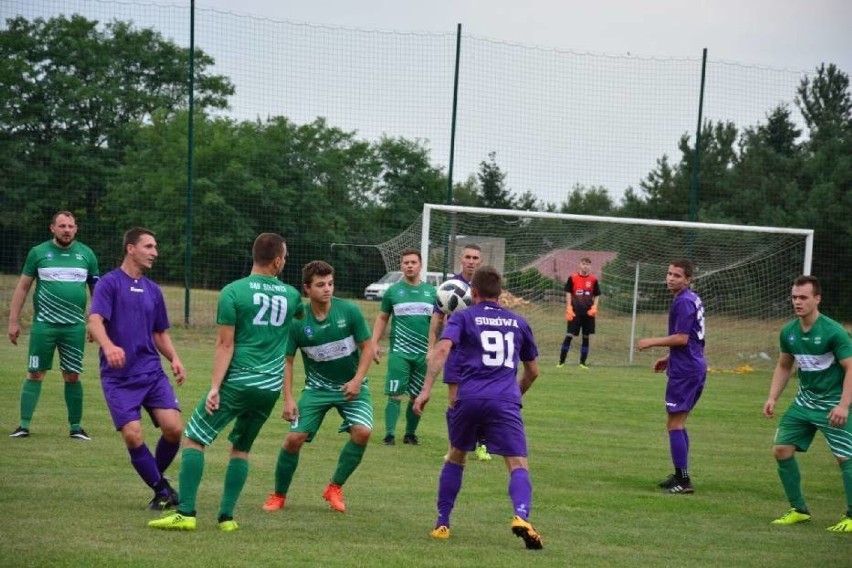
598 446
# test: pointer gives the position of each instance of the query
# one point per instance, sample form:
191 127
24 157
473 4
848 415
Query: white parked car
376 290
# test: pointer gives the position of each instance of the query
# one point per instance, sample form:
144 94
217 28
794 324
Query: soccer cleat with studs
440 533
792 517
523 529
174 522
334 495
845 525
274 502
80 435
410 439
20 433
482 453
389 440
683 486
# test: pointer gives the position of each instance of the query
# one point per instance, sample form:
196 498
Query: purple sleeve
453 329
161 318
528 351
102 298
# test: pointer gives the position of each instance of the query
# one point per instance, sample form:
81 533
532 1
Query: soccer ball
453 296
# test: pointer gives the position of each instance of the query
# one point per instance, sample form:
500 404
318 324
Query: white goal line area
743 274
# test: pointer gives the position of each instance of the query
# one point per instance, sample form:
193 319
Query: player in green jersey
410 301
822 351
254 317
62 268
336 351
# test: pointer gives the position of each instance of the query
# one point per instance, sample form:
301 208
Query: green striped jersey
411 308
261 309
817 353
329 347
61 275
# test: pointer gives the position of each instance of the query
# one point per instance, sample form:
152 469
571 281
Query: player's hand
376 353
769 408
178 370
420 403
661 364
644 344
291 411
14 332
114 356
838 416
593 311
351 389
211 405
569 313
89 337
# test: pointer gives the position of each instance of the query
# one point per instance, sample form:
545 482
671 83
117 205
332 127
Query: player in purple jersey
469 260
685 366
128 320
489 342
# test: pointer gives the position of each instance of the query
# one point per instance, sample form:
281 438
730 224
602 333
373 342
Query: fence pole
452 150
693 185
190 144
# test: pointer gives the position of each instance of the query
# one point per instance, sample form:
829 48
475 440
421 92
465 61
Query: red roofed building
559 264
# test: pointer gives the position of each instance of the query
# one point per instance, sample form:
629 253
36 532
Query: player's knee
781 453
360 435
293 443
36 375
71 377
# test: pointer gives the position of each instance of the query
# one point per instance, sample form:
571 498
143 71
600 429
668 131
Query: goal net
743 275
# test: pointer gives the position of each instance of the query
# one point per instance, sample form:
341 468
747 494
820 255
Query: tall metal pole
452 151
190 145
693 186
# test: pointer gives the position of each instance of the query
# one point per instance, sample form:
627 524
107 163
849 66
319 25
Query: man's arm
529 375
840 414
435 363
19 296
780 378
113 354
378 331
163 343
352 387
291 410
221 361
435 321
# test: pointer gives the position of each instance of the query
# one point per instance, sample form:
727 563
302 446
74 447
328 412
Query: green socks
846 472
285 468
791 479
74 402
412 420
191 470
235 479
349 459
392 411
29 399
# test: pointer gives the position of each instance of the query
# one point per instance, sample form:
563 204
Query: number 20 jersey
489 342
261 309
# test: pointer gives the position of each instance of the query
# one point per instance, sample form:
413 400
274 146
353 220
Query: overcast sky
791 34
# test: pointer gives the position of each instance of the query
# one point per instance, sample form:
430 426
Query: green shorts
799 425
249 407
45 338
314 404
405 374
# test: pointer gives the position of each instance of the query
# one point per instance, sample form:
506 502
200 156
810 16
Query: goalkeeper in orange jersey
582 294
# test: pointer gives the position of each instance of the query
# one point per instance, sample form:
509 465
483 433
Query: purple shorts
125 396
497 421
682 394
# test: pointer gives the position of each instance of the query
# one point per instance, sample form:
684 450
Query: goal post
743 275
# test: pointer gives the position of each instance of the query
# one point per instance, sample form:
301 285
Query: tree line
94 119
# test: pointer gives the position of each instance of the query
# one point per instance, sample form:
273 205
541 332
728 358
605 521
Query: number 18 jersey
261 309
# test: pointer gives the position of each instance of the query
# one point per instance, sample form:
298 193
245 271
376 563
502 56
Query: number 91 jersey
261 309
489 342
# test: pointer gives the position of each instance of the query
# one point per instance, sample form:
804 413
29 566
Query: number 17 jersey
261 309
